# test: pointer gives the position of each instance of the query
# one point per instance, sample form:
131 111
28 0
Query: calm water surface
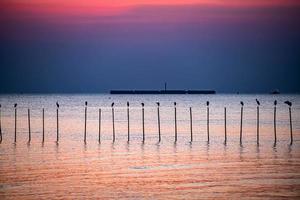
199 170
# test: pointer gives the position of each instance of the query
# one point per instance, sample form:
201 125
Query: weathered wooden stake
207 112
43 125
175 112
275 134
290 113
113 121
191 123
143 121
128 125
158 121
257 131
29 131
225 125
291 126
241 126
257 123
85 118
57 123
0 127
15 123
57 126
99 137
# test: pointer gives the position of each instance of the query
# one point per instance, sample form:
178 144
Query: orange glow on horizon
114 7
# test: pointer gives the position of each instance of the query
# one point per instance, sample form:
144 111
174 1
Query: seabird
288 103
258 103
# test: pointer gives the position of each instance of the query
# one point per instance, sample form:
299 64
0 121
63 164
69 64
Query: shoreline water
148 170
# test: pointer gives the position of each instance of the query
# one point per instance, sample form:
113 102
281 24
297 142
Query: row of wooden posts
158 122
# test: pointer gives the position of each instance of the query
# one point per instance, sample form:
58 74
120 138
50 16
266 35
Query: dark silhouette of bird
242 103
157 103
207 103
275 102
127 104
288 103
57 105
143 104
175 103
112 105
258 103
0 105
86 103
15 105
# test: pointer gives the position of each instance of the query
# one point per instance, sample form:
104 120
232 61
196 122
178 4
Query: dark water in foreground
121 170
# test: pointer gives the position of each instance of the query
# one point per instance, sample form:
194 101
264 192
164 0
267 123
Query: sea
109 150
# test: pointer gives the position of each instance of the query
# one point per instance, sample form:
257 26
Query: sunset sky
98 45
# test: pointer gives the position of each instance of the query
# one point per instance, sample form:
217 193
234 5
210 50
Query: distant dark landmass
162 92
275 92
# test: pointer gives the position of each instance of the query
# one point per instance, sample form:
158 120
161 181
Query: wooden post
29 131
225 125
113 122
57 126
128 126
15 123
99 137
85 118
158 122
191 124
291 127
257 131
175 112
207 112
57 123
257 123
43 125
275 133
143 122
0 127
290 113
241 126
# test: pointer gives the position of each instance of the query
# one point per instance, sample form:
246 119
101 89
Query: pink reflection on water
124 170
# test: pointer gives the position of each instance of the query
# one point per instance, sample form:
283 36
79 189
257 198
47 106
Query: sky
93 46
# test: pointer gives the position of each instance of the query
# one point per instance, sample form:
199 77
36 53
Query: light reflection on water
72 169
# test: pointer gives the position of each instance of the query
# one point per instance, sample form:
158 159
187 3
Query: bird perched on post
127 104
57 105
143 104
112 105
275 103
15 105
175 103
242 103
157 103
258 103
86 103
207 103
288 103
